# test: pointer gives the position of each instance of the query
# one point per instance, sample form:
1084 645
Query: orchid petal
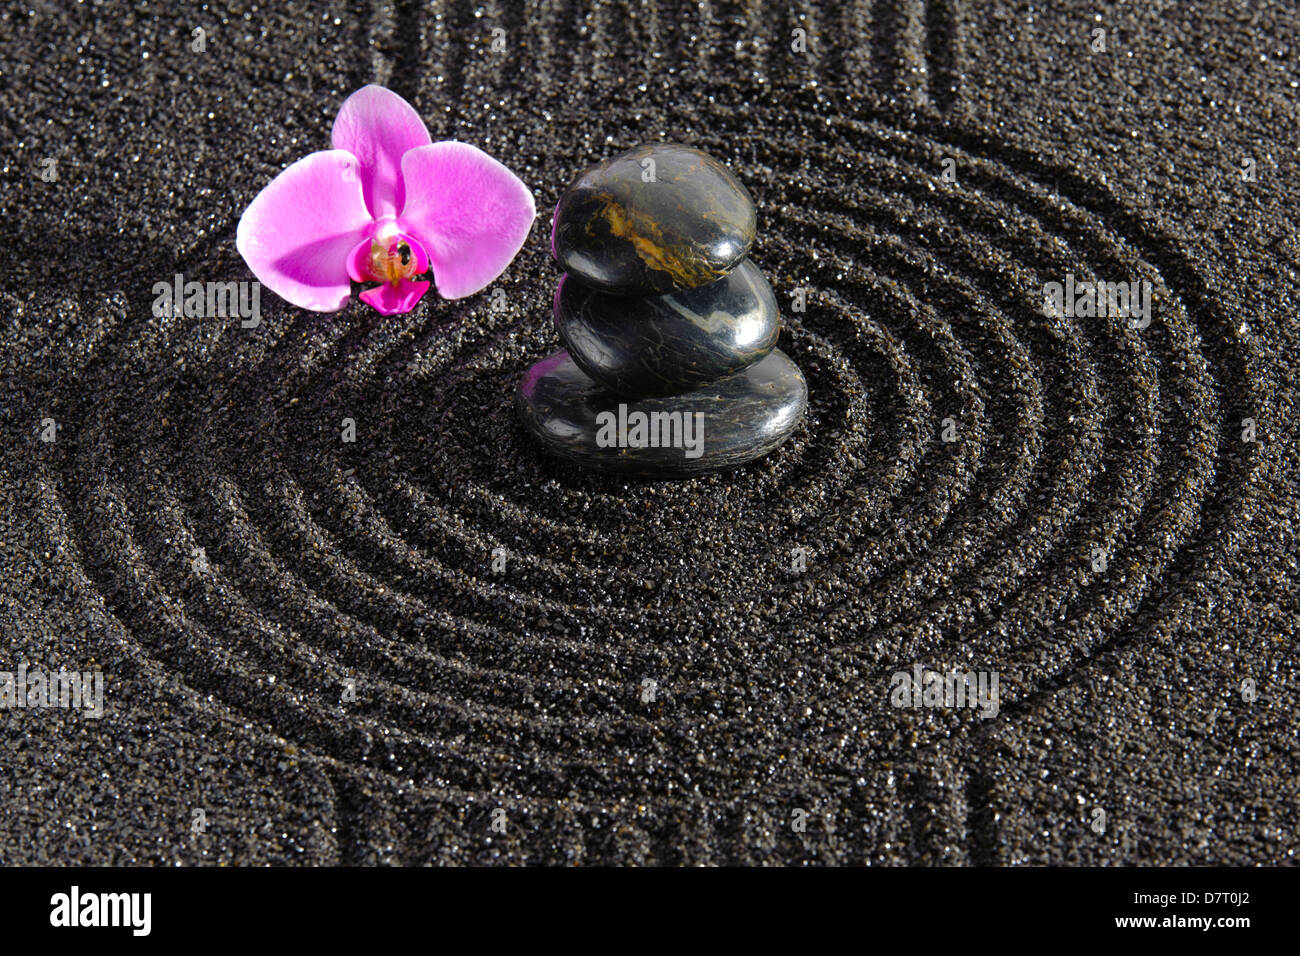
297 232
379 127
471 214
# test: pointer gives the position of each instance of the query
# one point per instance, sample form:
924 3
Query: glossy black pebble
661 344
622 234
732 421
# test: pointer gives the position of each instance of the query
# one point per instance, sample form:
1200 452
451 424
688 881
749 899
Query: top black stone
658 218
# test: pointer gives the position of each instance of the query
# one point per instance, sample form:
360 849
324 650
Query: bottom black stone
725 423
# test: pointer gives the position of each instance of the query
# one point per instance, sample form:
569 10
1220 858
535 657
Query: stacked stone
670 365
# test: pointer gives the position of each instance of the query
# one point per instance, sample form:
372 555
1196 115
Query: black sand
651 679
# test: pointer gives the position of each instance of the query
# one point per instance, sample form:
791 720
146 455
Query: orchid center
392 260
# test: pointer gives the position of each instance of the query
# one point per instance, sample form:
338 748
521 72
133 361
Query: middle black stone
663 344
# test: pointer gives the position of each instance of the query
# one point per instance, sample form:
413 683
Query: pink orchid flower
384 205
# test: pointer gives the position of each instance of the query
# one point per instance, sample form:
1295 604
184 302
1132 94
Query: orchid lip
395 267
